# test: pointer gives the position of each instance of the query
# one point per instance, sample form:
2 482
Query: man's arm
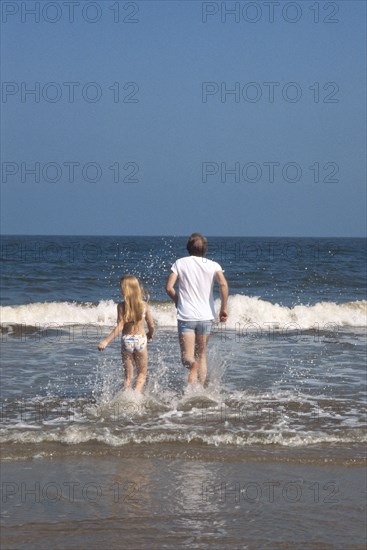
223 290
171 281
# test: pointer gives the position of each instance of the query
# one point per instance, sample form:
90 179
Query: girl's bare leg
128 363
200 353
141 362
187 345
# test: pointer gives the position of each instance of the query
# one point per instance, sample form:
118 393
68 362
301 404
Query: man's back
195 278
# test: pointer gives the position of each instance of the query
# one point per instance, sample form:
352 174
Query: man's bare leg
200 354
187 345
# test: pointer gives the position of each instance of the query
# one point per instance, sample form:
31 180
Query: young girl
130 320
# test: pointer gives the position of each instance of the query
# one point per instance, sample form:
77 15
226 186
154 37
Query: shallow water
288 392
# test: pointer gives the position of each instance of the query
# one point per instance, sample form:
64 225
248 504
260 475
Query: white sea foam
245 310
245 314
48 313
74 435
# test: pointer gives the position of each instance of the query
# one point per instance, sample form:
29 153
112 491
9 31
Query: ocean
271 454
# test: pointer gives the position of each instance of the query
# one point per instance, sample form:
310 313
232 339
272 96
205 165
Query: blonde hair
133 293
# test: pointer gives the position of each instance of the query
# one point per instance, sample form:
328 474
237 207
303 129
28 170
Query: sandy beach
145 503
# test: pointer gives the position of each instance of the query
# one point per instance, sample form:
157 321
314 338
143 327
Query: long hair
133 293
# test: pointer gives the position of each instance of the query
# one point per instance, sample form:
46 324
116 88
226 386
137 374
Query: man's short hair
197 245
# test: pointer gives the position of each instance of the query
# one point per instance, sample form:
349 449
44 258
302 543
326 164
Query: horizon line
183 236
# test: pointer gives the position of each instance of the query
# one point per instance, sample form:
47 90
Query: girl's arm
150 323
116 331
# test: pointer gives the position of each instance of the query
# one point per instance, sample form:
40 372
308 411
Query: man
195 303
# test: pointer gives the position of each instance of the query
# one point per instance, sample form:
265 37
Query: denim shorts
194 327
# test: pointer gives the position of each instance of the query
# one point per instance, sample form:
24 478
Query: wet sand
162 503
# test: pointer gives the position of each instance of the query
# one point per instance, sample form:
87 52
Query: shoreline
353 455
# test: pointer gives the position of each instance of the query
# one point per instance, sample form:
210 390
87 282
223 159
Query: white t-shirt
195 288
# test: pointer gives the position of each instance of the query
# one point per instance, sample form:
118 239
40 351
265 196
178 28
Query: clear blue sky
179 136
